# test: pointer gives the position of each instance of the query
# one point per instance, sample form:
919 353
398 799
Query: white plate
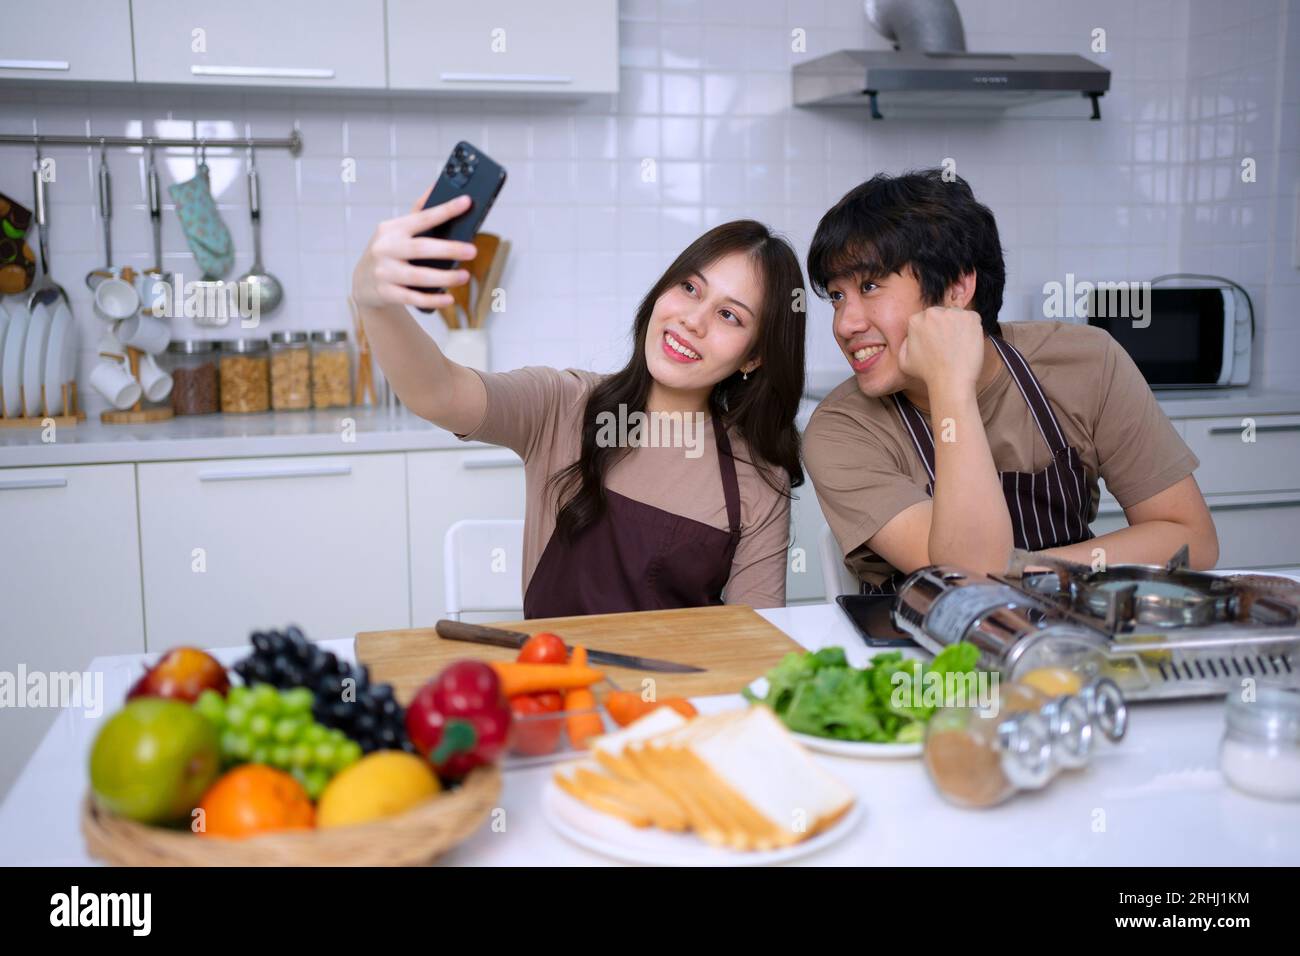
860 749
846 748
38 333
610 836
56 357
15 336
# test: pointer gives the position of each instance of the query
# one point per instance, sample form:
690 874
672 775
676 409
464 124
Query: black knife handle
478 634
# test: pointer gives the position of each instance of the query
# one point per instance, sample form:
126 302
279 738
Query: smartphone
871 615
468 171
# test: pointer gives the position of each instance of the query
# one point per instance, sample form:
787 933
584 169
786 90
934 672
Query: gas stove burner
1158 632
1127 597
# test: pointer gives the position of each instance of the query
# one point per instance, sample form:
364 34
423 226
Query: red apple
182 674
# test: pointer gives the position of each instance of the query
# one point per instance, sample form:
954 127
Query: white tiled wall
706 99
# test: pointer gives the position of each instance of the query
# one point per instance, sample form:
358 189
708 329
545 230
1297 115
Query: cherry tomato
544 648
532 732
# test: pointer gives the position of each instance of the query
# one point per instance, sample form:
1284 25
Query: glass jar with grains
290 371
331 369
192 364
245 375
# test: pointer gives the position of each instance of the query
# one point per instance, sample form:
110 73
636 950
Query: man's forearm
970 525
1149 542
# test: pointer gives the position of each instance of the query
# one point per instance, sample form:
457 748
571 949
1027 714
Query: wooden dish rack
71 414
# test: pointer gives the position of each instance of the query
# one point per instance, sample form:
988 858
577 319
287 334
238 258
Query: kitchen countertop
320 432
228 436
1155 799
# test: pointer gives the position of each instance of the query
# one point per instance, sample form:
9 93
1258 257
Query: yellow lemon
381 784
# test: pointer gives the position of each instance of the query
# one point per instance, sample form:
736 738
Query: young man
957 438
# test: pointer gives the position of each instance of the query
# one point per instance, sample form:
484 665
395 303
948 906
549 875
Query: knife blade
497 637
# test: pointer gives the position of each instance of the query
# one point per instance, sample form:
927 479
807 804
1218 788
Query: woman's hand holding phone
386 274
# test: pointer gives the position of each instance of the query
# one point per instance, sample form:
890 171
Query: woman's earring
745 376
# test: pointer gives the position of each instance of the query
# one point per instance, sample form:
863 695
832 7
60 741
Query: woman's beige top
536 412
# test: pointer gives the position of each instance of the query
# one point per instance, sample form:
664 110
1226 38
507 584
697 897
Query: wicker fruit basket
413 838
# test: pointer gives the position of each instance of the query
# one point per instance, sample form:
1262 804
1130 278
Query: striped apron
1049 508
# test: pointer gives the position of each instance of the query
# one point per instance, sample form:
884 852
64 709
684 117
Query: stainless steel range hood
930 74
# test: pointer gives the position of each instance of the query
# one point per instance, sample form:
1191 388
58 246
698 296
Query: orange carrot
519 678
580 702
625 706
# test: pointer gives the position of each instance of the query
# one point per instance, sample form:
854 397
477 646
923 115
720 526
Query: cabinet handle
492 461
1236 429
281 72
504 78
254 472
1252 505
14 484
35 65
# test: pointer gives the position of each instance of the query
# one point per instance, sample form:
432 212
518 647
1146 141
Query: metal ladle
257 285
95 276
155 277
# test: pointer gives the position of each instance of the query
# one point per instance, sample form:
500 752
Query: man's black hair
918 221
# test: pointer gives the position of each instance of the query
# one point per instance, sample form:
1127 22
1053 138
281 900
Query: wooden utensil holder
137 414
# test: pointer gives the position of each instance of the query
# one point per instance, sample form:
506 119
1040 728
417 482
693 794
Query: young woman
632 524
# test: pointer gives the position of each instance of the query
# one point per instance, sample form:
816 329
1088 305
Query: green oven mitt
207 235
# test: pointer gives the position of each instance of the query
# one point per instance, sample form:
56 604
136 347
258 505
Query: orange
255 799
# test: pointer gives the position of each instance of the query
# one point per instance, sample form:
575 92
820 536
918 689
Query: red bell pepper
460 720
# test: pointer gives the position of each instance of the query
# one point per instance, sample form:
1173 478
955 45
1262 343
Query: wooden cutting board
735 645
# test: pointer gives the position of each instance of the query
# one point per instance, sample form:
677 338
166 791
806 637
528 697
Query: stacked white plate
37 348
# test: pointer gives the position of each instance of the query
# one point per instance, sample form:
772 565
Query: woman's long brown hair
761 410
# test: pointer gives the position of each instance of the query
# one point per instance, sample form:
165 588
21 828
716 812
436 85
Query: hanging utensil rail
293 143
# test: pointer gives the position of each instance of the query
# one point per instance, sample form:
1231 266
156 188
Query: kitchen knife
479 634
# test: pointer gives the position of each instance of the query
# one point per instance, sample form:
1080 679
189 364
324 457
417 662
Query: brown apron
637 557
1049 509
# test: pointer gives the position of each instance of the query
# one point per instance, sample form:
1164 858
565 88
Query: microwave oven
1188 336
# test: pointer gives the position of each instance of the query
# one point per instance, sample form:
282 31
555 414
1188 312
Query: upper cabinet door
300 43
67 40
504 45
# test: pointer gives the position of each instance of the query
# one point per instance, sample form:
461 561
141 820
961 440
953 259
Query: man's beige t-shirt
866 469
536 411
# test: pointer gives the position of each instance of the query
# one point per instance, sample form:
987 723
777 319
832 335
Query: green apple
153 760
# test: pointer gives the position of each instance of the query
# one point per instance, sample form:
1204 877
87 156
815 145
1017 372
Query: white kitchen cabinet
69 583
445 487
67 40
803 565
229 546
1254 453
504 45
296 43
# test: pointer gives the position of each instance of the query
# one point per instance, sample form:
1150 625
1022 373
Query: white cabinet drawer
1261 531
519 46
446 487
231 546
67 40
244 43
69 582
1230 464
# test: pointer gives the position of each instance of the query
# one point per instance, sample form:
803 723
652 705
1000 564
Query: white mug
113 380
145 332
157 383
116 299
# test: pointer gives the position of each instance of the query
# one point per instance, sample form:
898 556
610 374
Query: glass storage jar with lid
192 364
290 371
1260 751
331 369
245 375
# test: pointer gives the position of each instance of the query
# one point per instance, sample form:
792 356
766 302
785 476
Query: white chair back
836 578
482 567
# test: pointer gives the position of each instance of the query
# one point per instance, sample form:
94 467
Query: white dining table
1156 798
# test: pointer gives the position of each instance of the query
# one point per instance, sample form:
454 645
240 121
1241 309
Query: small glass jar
290 371
192 364
978 758
1260 750
331 369
245 376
